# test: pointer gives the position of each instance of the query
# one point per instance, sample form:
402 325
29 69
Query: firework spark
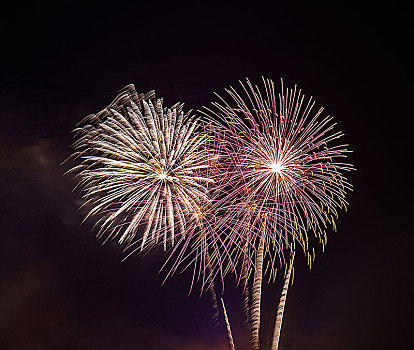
142 169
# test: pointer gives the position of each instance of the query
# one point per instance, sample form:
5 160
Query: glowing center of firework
162 176
276 167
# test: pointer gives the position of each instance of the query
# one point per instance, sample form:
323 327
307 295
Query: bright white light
276 167
162 176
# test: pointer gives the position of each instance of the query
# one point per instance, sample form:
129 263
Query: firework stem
281 307
210 286
257 295
228 327
246 297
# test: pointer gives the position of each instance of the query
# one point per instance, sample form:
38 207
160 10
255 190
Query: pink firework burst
282 172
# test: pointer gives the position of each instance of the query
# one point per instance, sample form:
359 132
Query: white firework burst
142 168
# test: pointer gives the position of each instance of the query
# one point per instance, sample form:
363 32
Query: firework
283 173
231 192
142 169
284 179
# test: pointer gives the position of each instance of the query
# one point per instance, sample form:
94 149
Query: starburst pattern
283 171
142 169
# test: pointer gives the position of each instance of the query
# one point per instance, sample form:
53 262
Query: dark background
60 289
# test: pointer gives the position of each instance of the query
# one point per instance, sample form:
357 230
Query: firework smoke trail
284 178
246 293
256 297
281 307
142 169
228 327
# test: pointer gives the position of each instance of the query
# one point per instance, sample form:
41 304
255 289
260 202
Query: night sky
61 289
